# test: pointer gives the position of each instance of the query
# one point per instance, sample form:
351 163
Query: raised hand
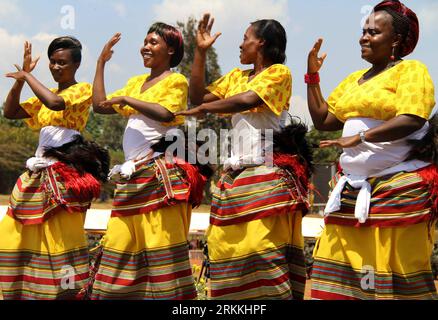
29 64
204 39
315 62
107 51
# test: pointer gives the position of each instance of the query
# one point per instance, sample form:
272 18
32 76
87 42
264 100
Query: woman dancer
379 220
43 249
145 251
255 242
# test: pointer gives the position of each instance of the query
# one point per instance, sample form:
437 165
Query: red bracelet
312 78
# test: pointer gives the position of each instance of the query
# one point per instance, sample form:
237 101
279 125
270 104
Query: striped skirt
45 261
146 256
389 257
374 263
255 243
260 259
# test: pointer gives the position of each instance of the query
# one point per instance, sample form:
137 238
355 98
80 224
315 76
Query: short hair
67 43
274 35
173 39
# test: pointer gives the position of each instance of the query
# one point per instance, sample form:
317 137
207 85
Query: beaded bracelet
312 78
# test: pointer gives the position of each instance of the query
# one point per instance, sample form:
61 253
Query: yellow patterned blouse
75 116
406 88
171 93
273 86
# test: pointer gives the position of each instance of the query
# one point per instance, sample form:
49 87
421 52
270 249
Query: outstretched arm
153 111
204 41
318 107
397 128
99 93
235 104
47 97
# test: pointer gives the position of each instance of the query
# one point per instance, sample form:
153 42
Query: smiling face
155 52
378 38
62 67
250 47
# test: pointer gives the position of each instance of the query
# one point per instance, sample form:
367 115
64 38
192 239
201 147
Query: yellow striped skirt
46 261
146 256
373 263
260 259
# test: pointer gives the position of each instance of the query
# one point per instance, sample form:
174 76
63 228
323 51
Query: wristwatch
362 136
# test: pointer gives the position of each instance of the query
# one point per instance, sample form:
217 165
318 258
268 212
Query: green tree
106 130
17 143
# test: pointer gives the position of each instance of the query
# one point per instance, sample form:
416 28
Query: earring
393 54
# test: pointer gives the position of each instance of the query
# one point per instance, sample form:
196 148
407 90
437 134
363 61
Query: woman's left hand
121 101
344 142
20 75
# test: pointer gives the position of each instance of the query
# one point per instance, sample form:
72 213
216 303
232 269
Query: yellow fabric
401 250
226 242
273 86
171 93
406 88
154 230
77 100
61 233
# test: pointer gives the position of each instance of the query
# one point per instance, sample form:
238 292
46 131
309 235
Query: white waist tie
362 208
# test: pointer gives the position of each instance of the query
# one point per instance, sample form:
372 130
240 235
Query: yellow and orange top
406 88
273 86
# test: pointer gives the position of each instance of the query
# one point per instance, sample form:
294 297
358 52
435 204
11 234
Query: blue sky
337 21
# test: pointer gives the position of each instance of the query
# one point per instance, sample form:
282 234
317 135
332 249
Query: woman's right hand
204 39
107 51
314 62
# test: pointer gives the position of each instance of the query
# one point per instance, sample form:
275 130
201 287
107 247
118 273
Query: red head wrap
410 40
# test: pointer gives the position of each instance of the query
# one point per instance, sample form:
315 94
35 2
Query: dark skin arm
204 41
238 103
12 108
153 111
394 129
103 106
47 97
99 93
322 119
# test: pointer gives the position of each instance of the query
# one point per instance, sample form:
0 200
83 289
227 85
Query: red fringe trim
300 170
84 187
430 177
196 181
